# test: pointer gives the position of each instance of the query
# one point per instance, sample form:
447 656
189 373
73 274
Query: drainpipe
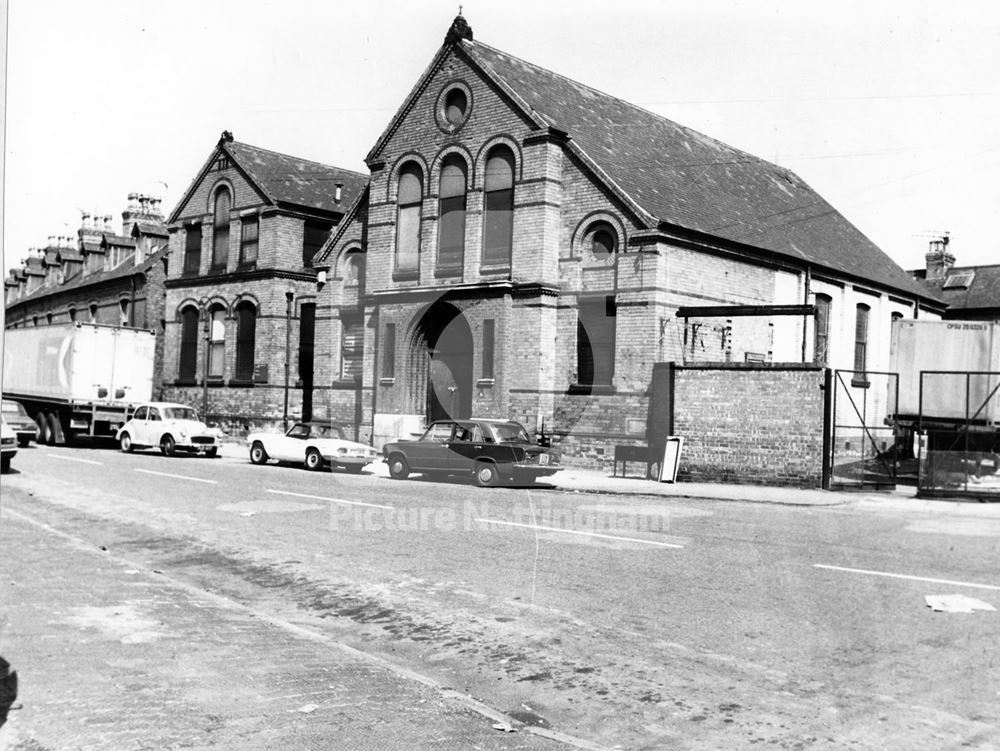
805 319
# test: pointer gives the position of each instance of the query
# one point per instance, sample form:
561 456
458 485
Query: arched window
220 230
188 366
217 342
246 332
601 241
354 269
408 200
821 334
861 344
451 215
498 221
456 104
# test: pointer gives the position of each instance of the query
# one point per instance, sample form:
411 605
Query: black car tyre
168 447
257 453
126 443
314 459
487 475
5 463
398 467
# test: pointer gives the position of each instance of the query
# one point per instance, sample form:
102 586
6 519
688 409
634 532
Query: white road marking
905 576
577 532
74 459
179 477
331 500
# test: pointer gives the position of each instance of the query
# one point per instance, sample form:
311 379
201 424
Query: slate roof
983 291
684 178
288 179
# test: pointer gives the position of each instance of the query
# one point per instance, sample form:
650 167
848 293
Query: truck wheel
487 475
126 443
55 430
168 446
398 467
257 453
314 460
43 429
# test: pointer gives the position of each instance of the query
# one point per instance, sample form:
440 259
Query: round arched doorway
442 363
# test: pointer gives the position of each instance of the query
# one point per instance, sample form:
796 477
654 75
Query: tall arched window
220 230
821 334
246 332
498 221
409 196
451 215
861 344
188 366
217 342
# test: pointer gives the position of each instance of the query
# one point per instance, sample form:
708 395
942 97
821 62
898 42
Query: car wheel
314 460
126 443
5 463
43 429
487 475
168 446
257 453
398 468
212 453
354 469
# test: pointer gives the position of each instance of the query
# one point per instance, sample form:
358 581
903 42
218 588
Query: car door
430 451
292 445
462 448
137 426
152 427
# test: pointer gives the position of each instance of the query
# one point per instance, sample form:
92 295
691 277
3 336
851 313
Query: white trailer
78 379
949 372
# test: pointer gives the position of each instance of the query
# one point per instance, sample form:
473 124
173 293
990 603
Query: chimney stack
939 260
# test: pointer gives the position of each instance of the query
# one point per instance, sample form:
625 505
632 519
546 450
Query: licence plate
543 459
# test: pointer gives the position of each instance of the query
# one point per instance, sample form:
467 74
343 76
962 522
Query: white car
313 444
8 445
171 427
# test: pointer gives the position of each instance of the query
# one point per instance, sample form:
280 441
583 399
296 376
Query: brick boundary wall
751 424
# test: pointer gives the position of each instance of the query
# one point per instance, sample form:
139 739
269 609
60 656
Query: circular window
603 243
453 107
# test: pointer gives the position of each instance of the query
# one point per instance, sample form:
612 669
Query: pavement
582 480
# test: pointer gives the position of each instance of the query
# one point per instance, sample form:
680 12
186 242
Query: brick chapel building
528 247
240 287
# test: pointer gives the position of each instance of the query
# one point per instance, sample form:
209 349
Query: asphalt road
622 621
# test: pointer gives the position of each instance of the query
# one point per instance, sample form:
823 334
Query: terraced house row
523 246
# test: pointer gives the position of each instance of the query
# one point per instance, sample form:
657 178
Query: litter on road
956 604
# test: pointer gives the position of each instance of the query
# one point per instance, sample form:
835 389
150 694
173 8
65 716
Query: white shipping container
79 363
958 347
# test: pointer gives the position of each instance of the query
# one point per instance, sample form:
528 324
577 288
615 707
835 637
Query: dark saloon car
15 415
491 451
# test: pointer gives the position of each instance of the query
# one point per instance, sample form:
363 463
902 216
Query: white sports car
313 444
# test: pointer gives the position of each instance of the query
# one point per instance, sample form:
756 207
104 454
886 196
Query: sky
888 108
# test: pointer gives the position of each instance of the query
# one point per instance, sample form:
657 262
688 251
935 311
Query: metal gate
959 429
863 447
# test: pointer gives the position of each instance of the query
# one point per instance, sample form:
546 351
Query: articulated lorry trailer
949 374
78 379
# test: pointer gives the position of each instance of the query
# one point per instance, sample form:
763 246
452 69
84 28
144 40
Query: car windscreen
13 409
510 432
179 413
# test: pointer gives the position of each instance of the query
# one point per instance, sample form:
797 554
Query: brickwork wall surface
750 426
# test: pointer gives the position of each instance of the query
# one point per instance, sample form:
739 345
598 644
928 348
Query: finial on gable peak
227 137
459 30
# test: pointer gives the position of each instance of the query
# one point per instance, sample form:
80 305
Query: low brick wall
750 424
